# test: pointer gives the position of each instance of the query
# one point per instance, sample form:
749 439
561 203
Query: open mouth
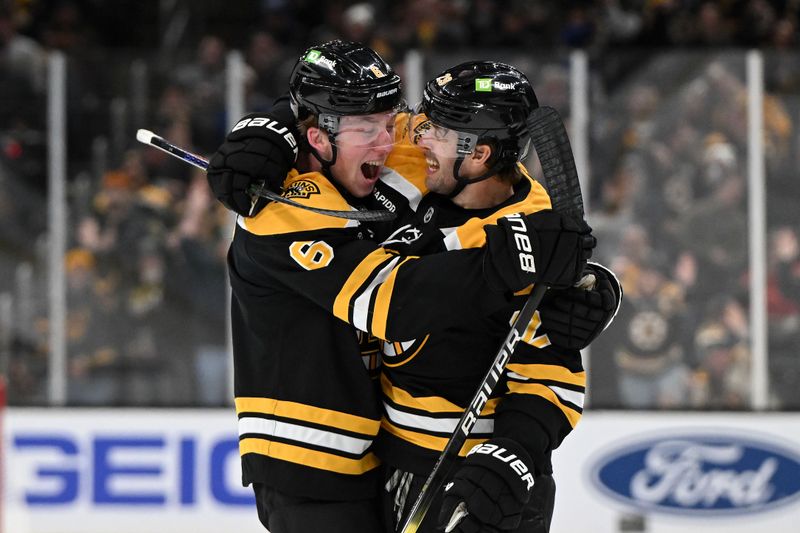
371 169
433 163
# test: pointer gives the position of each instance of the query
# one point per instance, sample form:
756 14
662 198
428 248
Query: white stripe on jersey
361 304
451 240
571 396
431 424
303 435
397 182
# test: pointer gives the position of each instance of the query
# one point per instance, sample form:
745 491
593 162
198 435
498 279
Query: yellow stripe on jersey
549 372
306 457
360 274
537 194
380 312
544 391
299 411
471 234
314 191
427 441
429 404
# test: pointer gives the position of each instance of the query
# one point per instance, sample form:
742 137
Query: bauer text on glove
489 490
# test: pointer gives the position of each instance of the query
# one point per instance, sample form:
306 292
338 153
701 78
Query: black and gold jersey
427 381
308 410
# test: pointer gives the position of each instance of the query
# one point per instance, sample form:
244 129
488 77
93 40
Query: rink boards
162 471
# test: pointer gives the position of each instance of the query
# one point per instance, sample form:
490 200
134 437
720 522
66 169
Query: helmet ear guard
329 123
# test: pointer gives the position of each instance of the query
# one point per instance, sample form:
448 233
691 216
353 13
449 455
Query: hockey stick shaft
558 166
448 458
150 138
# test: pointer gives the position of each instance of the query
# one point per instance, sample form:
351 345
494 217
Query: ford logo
700 475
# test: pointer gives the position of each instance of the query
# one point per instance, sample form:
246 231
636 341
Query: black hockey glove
260 147
572 318
489 490
543 247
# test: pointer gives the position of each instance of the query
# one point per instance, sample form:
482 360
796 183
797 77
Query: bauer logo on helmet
386 93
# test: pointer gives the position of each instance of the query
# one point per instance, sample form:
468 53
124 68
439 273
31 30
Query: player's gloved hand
572 318
543 247
489 490
260 147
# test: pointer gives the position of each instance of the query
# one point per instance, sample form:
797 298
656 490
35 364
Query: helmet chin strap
326 165
461 183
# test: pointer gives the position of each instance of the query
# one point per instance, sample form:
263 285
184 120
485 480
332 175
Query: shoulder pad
312 189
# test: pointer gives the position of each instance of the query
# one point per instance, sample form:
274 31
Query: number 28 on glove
542 247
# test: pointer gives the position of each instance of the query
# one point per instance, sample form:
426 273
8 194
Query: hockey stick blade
549 137
150 138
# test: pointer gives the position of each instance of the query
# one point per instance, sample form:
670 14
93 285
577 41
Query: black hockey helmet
486 100
343 78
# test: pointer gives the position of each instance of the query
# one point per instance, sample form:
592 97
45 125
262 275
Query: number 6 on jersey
311 255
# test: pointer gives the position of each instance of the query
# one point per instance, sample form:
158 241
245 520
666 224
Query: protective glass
373 131
441 141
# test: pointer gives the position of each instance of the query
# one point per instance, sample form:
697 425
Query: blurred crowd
670 159
145 268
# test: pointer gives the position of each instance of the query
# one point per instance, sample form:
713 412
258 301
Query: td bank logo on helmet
522 242
700 474
485 85
316 57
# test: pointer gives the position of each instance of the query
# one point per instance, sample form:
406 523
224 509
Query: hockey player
301 280
472 128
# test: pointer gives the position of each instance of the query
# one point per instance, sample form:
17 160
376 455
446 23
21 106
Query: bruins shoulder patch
301 189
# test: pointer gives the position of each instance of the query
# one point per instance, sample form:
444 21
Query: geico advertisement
124 470
679 472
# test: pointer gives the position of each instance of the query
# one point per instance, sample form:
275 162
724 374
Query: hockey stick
550 139
150 138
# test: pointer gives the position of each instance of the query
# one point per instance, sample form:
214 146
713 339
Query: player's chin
439 183
363 185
